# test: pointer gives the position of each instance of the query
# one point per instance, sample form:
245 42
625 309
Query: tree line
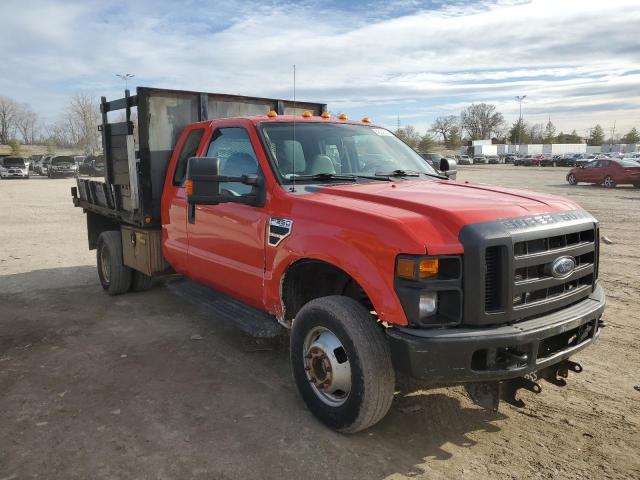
483 122
76 127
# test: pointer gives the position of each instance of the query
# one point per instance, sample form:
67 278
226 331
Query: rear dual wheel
115 277
341 363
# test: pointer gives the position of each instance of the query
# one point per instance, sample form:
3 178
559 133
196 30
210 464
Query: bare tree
445 126
409 135
26 123
8 108
83 118
480 120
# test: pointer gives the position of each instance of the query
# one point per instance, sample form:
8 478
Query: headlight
430 289
428 304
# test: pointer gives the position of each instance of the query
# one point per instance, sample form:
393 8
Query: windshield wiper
323 176
409 173
399 173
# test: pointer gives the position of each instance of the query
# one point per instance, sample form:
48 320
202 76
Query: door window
232 147
189 149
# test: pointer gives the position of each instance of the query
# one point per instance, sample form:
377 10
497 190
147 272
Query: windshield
62 160
341 149
13 162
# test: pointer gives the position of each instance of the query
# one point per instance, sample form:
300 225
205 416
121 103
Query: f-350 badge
279 229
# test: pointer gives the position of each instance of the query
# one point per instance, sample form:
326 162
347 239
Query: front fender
361 255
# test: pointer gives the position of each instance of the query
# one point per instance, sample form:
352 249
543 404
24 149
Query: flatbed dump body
135 171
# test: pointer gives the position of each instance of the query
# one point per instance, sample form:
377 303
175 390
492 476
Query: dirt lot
100 387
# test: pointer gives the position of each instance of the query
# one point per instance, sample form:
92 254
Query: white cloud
568 57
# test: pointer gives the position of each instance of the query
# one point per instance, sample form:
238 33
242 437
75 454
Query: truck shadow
54 315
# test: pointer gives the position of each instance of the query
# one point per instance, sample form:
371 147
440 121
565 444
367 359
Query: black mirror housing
203 184
449 168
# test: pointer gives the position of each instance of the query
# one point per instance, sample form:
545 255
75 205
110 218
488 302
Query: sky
577 61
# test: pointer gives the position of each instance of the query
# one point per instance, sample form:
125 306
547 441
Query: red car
608 173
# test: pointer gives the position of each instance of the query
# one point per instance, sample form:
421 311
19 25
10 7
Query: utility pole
125 77
519 99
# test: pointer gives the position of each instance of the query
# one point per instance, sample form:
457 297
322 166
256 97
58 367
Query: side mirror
203 184
448 167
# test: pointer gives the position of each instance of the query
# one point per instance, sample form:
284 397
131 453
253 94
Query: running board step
251 321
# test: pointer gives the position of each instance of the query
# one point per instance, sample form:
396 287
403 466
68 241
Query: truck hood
425 207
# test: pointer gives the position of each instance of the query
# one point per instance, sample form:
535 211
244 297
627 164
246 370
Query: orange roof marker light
272 114
366 120
343 116
325 114
306 114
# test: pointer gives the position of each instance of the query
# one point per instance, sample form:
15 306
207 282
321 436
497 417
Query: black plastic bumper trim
444 356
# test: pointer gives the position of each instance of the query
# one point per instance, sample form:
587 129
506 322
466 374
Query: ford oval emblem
563 266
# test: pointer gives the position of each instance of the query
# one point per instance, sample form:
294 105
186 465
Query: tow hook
489 394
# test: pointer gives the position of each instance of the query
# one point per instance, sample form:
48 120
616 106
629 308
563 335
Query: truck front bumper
459 355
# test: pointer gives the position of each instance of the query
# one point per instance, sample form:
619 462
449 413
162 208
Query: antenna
293 144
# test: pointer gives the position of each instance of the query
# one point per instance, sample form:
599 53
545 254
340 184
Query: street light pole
125 77
519 99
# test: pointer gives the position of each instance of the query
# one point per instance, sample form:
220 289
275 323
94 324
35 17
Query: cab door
174 200
591 172
226 241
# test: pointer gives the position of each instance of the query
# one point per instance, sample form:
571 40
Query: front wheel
608 182
571 178
341 363
115 276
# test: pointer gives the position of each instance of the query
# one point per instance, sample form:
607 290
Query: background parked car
13 167
510 157
62 166
608 173
549 161
465 160
566 161
92 165
44 164
480 159
493 159
523 161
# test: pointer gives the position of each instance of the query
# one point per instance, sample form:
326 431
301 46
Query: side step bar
217 305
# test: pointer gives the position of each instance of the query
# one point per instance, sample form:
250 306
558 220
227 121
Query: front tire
341 363
571 178
608 182
115 277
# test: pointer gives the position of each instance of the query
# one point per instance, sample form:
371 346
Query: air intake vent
493 279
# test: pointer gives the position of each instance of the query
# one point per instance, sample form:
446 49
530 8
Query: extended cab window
233 148
189 149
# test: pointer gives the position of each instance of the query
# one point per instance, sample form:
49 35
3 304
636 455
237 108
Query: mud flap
488 394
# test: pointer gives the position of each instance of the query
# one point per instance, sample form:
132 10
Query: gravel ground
99 387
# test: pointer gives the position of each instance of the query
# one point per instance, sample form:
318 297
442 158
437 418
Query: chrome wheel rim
326 366
572 179
608 182
104 264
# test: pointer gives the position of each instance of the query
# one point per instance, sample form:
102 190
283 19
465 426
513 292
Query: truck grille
533 283
507 267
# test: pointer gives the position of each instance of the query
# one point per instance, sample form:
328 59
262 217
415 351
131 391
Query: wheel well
309 279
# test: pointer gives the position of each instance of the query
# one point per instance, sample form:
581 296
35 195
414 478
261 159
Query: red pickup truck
375 262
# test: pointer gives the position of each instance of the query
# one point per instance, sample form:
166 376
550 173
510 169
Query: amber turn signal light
188 187
406 268
415 269
429 268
